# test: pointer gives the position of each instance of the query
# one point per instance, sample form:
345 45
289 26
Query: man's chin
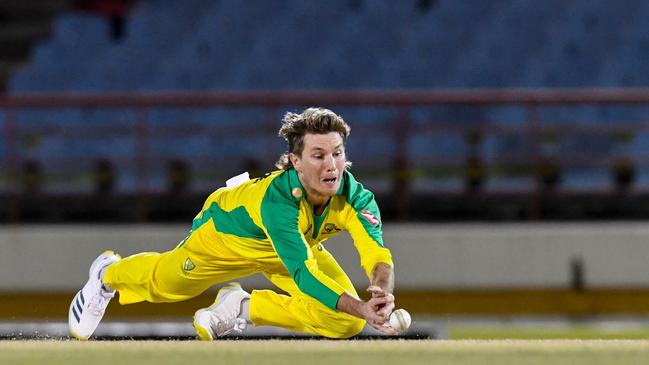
329 190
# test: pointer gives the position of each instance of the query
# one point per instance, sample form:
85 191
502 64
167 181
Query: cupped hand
378 317
385 328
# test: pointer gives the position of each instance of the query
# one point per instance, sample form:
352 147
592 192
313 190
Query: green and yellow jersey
269 221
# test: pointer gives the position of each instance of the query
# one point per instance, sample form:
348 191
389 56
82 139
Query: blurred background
506 141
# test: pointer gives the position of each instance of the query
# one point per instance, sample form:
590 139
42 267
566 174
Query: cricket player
275 225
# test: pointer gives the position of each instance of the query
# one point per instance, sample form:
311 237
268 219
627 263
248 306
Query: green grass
532 352
585 332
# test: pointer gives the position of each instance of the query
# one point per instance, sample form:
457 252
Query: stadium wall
573 268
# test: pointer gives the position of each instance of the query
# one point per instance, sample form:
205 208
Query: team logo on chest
371 218
330 228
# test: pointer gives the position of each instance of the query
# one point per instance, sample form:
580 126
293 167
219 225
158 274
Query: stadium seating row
342 44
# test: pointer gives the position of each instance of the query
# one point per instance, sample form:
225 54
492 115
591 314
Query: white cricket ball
400 320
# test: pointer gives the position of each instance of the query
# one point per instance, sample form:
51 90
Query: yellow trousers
191 268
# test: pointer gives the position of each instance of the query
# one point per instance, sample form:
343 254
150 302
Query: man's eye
317 156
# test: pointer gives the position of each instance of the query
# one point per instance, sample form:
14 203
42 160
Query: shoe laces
99 302
223 326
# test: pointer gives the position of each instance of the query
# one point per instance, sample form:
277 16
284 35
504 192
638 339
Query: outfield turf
585 332
398 352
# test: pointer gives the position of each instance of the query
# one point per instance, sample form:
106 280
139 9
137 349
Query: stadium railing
539 178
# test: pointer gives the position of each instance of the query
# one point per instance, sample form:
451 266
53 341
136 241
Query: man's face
321 165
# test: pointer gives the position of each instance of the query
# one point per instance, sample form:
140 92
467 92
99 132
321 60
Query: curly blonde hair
311 120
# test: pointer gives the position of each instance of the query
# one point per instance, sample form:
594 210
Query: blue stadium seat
213 45
341 44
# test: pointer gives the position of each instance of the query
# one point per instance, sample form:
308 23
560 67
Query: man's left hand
388 307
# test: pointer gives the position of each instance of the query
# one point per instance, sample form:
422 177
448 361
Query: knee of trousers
346 326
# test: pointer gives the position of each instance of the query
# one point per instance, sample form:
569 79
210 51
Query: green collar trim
297 190
343 177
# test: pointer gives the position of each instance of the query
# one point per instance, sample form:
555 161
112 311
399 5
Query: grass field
399 352
581 332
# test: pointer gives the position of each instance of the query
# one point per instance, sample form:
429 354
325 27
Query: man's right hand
370 311
378 317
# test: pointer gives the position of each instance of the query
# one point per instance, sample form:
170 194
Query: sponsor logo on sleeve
371 218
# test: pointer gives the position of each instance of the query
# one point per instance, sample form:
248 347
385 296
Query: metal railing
398 174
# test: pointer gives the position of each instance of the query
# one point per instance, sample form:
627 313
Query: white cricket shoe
88 306
222 317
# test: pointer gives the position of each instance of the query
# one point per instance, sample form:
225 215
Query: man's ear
295 160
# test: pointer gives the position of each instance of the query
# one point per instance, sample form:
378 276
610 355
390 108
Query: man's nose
329 163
